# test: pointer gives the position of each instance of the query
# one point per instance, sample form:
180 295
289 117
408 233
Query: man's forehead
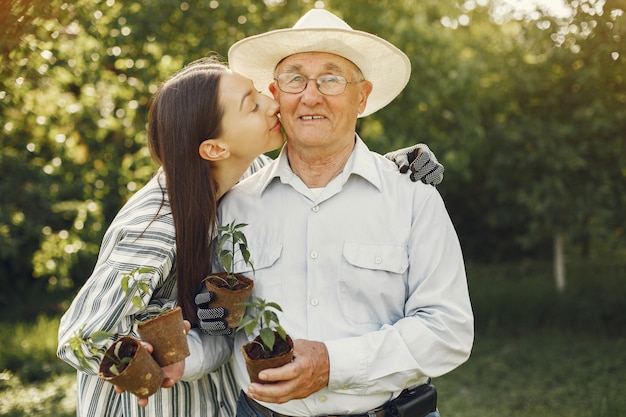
327 61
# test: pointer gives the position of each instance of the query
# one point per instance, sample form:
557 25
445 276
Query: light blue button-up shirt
371 266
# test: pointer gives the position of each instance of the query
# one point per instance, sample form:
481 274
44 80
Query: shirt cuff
348 365
206 354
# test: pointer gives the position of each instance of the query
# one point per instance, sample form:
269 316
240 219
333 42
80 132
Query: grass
536 353
544 374
33 381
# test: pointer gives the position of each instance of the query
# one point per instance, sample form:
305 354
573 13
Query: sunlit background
524 102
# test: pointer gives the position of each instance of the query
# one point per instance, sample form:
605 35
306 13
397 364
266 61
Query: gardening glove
421 161
212 321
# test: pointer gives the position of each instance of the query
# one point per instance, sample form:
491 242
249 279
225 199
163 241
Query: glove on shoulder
421 161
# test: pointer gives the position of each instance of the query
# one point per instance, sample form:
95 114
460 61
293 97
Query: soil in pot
229 298
255 356
166 334
141 376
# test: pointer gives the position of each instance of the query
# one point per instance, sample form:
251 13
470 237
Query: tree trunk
559 263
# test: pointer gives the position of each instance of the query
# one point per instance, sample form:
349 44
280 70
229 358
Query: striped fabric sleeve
136 237
142 234
257 164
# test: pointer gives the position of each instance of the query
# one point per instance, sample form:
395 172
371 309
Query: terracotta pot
255 362
142 376
166 334
230 298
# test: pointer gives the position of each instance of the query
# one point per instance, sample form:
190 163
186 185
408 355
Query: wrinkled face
311 118
250 124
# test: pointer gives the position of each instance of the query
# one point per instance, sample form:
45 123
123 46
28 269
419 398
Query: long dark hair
185 111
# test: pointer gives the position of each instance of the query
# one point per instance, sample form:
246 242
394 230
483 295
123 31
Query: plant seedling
262 315
134 288
90 343
230 241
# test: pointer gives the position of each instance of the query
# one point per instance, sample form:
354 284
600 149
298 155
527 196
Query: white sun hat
384 65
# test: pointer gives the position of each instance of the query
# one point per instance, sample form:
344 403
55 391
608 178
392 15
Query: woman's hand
171 373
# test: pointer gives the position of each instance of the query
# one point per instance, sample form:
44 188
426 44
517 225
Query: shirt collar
361 162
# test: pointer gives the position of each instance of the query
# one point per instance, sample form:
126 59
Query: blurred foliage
527 113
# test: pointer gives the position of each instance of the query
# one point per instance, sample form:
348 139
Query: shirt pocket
261 257
372 283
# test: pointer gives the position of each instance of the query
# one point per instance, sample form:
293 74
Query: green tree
526 113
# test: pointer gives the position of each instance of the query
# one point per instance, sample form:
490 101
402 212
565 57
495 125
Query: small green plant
230 241
262 315
134 288
78 341
119 363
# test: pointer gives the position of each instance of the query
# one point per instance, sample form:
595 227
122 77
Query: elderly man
373 292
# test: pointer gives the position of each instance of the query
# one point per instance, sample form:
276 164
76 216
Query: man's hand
421 161
306 374
212 321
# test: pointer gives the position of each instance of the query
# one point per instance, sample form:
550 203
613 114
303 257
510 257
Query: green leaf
250 326
268 337
116 350
144 287
221 241
281 332
270 317
244 253
114 370
124 284
100 336
138 302
274 306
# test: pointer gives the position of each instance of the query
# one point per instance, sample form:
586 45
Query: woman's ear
213 150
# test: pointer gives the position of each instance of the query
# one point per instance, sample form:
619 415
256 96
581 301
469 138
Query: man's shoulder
254 181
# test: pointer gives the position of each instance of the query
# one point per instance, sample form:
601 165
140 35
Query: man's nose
311 92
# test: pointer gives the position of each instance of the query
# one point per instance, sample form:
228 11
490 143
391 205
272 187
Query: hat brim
384 65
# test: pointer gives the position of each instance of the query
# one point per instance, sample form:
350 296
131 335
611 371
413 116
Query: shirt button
378 260
315 209
314 301
323 398
314 255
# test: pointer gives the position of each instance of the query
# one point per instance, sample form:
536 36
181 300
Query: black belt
415 402
379 412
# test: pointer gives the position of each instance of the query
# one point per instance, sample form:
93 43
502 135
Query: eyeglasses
327 84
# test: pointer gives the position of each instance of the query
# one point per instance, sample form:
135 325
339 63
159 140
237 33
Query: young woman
207 127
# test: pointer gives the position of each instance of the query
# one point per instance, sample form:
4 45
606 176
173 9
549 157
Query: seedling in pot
263 315
230 241
265 350
165 331
231 289
79 341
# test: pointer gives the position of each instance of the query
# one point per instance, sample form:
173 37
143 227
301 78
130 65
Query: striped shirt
141 235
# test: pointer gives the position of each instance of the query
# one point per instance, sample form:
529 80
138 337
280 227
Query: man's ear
273 89
365 89
213 150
